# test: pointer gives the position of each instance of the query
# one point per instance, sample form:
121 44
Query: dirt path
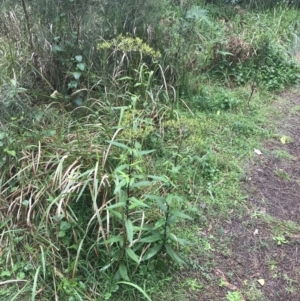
265 260
260 252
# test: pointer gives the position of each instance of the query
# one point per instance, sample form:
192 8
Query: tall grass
106 126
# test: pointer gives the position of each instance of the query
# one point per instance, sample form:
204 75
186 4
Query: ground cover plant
124 131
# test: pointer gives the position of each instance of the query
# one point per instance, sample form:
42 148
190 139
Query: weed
121 138
282 174
234 296
280 239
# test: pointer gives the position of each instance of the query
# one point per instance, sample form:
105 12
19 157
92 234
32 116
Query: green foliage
120 127
234 296
215 101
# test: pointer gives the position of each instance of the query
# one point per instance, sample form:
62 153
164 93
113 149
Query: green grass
108 184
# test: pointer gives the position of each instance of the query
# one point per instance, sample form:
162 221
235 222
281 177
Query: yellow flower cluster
129 44
135 126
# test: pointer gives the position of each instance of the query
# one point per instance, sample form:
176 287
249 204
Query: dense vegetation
124 127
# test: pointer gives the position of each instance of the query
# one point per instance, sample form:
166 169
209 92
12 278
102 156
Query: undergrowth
123 132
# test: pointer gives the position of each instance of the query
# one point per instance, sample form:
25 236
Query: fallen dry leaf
261 282
283 139
257 151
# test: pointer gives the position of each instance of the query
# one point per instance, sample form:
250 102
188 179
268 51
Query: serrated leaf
174 255
123 271
132 255
129 230
151 252
78 58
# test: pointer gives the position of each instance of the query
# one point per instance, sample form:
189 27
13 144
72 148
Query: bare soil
260 258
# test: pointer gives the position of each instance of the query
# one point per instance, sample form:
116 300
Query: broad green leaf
49 133
5 273
81 66
180 214
57 48
129 230
157 178
78 102
61 234
25 203
151 252
137 203
132 255
172 197
120 185
13 82
78 58
113 239
76 75
182 242
152 238
116 214
72 84
2 135
122 167
123 271
141 184
10 152
117 205
174 255
105 267
144 152
159 223
125 78
121 145
159 201
137 287
64 226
